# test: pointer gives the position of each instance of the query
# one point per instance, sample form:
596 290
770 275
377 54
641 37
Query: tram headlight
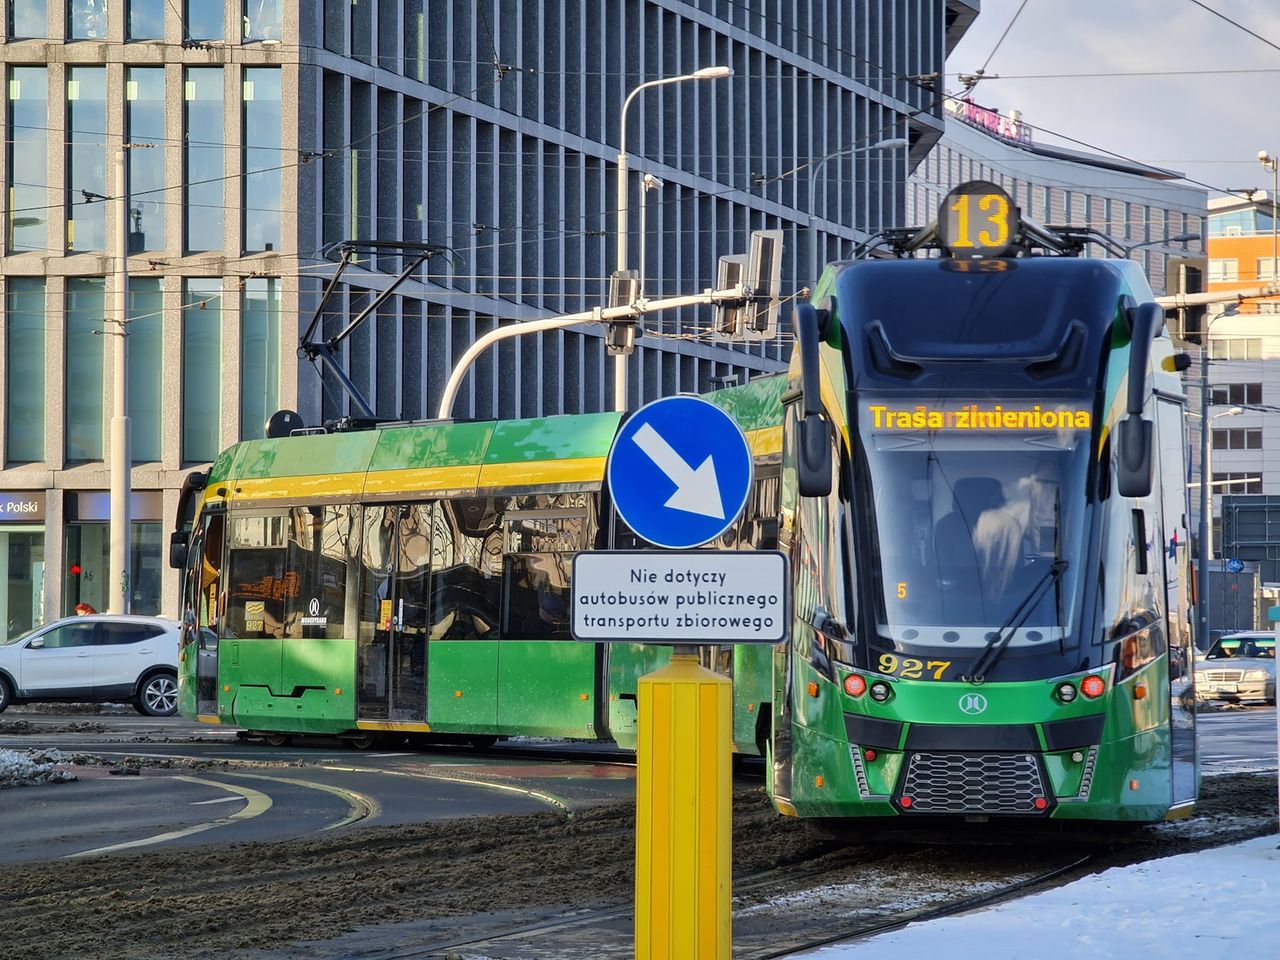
1065 692
881 692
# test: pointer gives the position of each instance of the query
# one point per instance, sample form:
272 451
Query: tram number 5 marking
909 668
995 207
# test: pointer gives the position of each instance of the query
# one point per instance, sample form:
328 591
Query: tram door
1182 711
391 649
206 608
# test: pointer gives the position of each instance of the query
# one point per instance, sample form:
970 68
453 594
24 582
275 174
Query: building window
1236 483
86 158
146 366
1238 439
1235 394
1235 348
262 160
28 19
87 544
203 20
85 351
1224 271
1266 268
201 369
24 364
87 20
28 158
144 119
263 20
415 40
146 20
259 355
204 167
335 25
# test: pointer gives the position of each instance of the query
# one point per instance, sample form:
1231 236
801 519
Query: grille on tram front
972 783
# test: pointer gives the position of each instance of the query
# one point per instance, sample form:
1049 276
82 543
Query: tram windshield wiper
999 641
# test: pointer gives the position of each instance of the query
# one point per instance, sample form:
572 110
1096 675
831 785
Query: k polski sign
697 596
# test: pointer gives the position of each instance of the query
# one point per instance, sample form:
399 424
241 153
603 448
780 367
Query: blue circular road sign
679 472
1234 565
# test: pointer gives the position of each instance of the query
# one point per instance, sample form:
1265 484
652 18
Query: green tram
976 466
984 500
414 580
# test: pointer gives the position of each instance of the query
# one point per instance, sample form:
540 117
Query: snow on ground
1216 904
21 768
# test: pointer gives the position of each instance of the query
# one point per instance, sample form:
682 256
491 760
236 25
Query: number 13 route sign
679 472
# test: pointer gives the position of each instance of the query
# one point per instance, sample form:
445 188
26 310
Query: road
179 783
171 782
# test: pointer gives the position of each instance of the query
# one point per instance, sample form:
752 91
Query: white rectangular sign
695 596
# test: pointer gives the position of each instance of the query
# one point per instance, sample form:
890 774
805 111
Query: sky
1209 126
1217 904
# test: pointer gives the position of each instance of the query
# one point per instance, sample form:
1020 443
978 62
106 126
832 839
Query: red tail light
854 685
906 802
1093 686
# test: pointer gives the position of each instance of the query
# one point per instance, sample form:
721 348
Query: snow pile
29 767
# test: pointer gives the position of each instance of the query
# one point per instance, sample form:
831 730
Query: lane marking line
257 803
359 806
547 798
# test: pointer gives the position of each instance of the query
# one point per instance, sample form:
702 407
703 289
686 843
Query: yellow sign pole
683 813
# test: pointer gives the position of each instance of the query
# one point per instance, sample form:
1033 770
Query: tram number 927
909 668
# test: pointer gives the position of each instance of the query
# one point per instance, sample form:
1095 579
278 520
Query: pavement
1215 904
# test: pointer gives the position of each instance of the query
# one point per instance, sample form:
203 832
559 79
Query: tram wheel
482 743
362 741
277 739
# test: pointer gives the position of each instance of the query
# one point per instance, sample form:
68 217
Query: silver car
1241 666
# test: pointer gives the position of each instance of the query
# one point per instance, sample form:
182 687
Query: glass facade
88 545
263 20
86 158
87 19
28 158
146 365
144 103
262 159
204 20
28 19
146 20
201 369
259 355
24 366
203 164
21 579
85 355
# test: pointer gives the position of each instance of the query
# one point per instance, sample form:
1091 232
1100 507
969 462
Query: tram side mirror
813 440
813 456
1135 465
177 550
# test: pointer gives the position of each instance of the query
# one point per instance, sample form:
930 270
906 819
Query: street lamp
706 73
1206 477
892 143
1273 164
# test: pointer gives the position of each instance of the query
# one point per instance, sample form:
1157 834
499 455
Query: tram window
757 529
288 574
541 535
466 552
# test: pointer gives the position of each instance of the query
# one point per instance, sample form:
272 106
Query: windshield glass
971 502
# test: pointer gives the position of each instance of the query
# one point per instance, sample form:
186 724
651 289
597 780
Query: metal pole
1202 574
118 588
1275 177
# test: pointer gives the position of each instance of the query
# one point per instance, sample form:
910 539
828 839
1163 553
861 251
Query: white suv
100 657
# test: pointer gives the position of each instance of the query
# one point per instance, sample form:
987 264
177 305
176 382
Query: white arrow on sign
696 490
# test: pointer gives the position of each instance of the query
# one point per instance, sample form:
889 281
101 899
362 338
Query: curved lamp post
706 73
892 143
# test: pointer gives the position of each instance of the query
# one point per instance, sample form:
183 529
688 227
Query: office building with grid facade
263 133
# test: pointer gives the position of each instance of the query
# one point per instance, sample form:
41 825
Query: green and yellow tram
414 579
984 499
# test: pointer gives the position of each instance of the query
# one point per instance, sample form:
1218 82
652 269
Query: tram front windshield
967 508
